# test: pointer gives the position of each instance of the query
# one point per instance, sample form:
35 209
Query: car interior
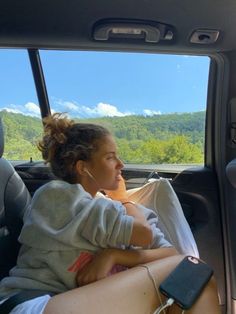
194 28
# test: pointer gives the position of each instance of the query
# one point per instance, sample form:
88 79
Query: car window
154 104
19 108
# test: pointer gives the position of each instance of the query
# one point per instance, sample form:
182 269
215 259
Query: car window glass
154 104
19 108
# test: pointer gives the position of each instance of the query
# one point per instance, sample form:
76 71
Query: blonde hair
65 142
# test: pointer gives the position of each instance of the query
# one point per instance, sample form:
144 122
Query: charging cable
168 303
150 275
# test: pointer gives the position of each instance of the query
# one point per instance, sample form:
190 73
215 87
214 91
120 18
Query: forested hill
160 127
174 138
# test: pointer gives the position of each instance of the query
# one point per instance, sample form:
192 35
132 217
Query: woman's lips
119 177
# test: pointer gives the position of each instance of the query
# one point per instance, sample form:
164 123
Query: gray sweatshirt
62 222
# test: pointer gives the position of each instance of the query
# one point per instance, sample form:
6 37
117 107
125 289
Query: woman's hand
120 194
104 261
98 268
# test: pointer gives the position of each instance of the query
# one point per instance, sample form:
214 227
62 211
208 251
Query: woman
67 227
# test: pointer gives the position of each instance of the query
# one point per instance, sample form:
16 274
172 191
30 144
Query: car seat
14 199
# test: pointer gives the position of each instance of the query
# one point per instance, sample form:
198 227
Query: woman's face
104 168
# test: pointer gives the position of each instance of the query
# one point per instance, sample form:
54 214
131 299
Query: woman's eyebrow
108 153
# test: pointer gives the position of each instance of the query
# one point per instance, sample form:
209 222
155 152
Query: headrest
1 139
231 172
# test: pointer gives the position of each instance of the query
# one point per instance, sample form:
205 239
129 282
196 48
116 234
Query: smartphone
186 281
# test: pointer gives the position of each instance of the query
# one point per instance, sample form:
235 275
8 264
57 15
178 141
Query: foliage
171 138
21 134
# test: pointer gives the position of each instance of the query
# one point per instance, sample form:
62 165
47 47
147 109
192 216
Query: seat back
14 200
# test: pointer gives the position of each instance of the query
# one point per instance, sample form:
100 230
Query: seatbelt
20 297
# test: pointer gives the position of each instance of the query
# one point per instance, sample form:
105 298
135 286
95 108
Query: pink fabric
85 258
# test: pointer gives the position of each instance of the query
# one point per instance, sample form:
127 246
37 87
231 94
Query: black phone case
186 281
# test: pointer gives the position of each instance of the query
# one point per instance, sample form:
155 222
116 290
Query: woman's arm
120 194
107 258
142 234
131 258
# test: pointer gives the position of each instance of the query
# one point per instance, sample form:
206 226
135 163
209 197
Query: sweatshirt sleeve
158 236
63 216
107 224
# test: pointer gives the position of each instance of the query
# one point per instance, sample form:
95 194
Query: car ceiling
69 23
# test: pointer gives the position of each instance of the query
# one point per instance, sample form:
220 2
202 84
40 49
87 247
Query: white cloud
70 106
28 109
107 110
11 110
32 108
65 105
75 110
100 110
148 112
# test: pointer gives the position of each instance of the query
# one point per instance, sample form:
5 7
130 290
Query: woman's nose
120 163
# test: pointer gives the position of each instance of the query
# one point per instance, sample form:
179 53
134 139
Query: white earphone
89 173
91 176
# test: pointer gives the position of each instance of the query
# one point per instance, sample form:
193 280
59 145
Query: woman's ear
79 166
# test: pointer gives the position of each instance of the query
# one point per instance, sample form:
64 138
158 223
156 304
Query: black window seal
39 81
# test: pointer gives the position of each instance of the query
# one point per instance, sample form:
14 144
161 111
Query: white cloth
33 306
160 196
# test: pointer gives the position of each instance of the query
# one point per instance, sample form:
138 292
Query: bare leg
128 292
208 300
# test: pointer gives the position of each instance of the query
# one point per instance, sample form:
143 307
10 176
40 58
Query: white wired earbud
89 173
91 176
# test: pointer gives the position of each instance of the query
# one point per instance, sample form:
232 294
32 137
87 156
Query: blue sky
88 84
